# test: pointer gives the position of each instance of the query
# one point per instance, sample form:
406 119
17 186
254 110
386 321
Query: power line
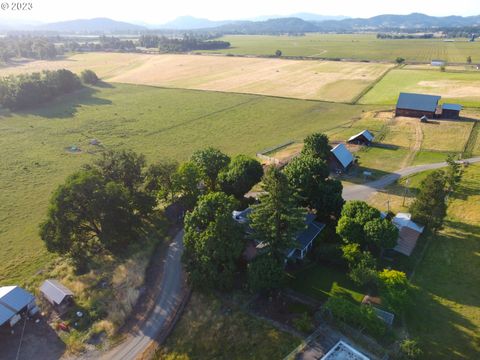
21 339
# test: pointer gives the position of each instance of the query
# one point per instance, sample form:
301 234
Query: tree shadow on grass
441 331
65 106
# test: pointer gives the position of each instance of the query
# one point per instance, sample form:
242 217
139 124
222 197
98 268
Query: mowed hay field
157 122
459 87
316 80
353 46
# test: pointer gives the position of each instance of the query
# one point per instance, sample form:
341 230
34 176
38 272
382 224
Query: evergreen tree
429 207
277 219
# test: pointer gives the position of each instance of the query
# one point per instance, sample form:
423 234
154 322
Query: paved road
365 191
168 299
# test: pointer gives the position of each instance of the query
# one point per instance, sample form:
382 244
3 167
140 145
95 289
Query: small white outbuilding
55 293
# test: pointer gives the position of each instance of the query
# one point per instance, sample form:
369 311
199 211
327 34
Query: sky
160 11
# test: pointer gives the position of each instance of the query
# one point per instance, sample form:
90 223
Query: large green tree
395 290
210 161
429 207
161 179
362 224
213 242
453 173
317 145
128 168
240 175
88 214
187 182
308 175
277 218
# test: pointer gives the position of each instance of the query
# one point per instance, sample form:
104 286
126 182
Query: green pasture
161 123
353 46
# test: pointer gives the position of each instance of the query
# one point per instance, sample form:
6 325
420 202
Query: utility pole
405 192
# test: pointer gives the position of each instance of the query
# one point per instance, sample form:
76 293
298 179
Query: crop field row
316 80
161 123
353 46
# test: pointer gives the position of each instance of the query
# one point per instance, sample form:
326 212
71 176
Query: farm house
417 105
303 240
409 232
451 111
341 158
15 301
362 138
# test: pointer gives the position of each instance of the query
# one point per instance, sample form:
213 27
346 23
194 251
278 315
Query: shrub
410 349
359 316
89 77
395 289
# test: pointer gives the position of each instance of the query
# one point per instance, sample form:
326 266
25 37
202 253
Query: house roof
309 234
405 220
241 216
367 134
342 154
420 102
54 291
343 351
15 298
407 240
454 107
5 314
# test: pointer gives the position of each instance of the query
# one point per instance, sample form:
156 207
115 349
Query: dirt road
169 297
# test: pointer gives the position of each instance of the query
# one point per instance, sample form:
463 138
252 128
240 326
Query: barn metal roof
5 314
368 135
343 351
15 298
54 291
343 155
454 107
419 102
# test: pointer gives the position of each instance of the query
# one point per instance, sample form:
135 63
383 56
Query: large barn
417 105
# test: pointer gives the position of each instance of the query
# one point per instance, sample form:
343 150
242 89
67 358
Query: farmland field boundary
357 98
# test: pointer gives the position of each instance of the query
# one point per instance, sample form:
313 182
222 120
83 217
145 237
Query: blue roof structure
5 314
419 102
15 298
309 234
454 107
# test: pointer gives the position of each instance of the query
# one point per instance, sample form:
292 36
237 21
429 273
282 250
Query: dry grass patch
318 80
446 135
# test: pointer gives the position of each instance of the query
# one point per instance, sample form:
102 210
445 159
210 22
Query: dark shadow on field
439 329
66 106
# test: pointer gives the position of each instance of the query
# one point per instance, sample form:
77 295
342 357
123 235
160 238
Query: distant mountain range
297 23
86 26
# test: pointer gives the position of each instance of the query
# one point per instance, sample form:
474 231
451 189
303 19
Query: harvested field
461 87
316 80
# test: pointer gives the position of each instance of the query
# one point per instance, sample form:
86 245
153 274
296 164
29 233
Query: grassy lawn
210 330
458 87
352 46
446 315
318 80
380 159
320 282
161 123
428 157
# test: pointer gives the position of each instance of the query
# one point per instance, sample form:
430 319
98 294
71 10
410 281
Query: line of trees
27 47
183 44
23 91
404 36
